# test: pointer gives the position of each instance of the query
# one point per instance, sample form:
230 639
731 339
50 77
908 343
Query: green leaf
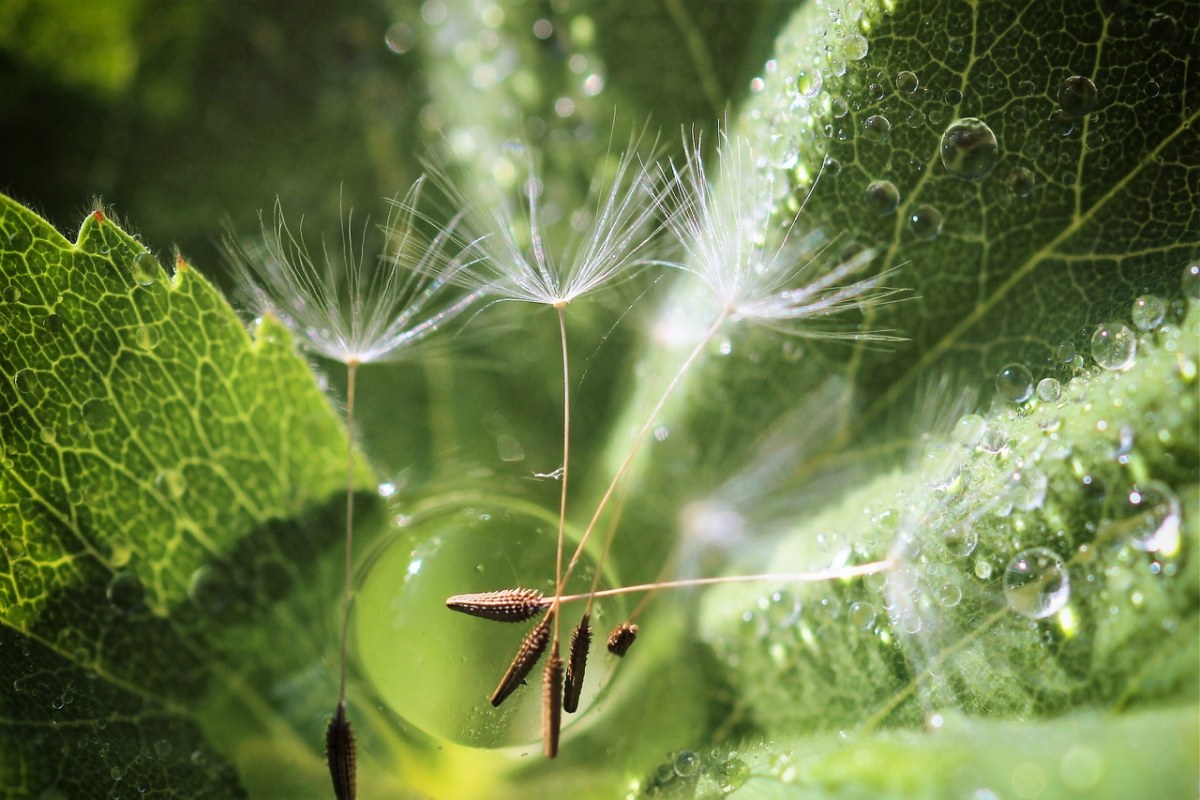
158 464
1079 755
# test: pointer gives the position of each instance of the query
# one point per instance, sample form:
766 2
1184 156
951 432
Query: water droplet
399 38
145 269
961 540
733 773
983 569
969 148
1036 583
952 97
147 337
877 128
686 764
1027 489
209 589
1062 123
1065 352
1021 182
1114 346
856 47
993 440
809 83
1077 95
1150 518
125 592
969 429
1149 312
1048 390
882 197
28 384
862 615
832 165
1014 383
949 595
907 82
171 481
925 221
839 107
1190 281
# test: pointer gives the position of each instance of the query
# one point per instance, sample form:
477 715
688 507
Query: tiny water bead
1021 182
1036 583
882 197
1114 346
1077 95
442 687
1190 281
125 592
1014 383
925 221
1148 312
969 149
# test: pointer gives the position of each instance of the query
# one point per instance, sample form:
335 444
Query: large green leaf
159 465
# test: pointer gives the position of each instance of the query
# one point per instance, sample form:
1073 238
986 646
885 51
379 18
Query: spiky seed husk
505 605
552 698
621 638
581 640
528 653
339 752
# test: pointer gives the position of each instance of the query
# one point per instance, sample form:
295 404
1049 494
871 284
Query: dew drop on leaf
145 269
877 128
907 82
686 764
882 197
1148 312
1190 281
1014 383
1077 95
1048 390
125 592
146 337
1150 517
925 221
969 149
969 429
856 47
1036 583
1114 346
1021 182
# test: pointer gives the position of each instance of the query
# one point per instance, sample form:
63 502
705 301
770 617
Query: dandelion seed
527 656
505 605
581 640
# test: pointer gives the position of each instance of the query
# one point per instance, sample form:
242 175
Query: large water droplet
969 148
1077 95
1014 383
1036 583
925 221
145 269
882 197
1114 346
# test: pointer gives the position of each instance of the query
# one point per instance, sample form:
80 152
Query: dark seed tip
339 752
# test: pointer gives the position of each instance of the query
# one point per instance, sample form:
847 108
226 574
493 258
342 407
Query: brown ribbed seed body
505 605
621 638
528 653
552 696
581 640
339 752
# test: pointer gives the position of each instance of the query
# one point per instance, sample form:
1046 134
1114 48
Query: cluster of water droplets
689 773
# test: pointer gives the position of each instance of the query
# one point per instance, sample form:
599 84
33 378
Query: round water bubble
1190 281
907 82
1148 312
1153 518
1048 390
1114 346
1014 383
969 149
877 128
856 47
882 197
1077 95
125 592
925 221
145 269
1021 182
1036 583
437 668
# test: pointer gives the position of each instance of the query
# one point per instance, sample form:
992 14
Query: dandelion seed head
507 254
789 281
348 307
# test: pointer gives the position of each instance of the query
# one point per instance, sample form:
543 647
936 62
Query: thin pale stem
831 574
348 596
639 438
566 458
